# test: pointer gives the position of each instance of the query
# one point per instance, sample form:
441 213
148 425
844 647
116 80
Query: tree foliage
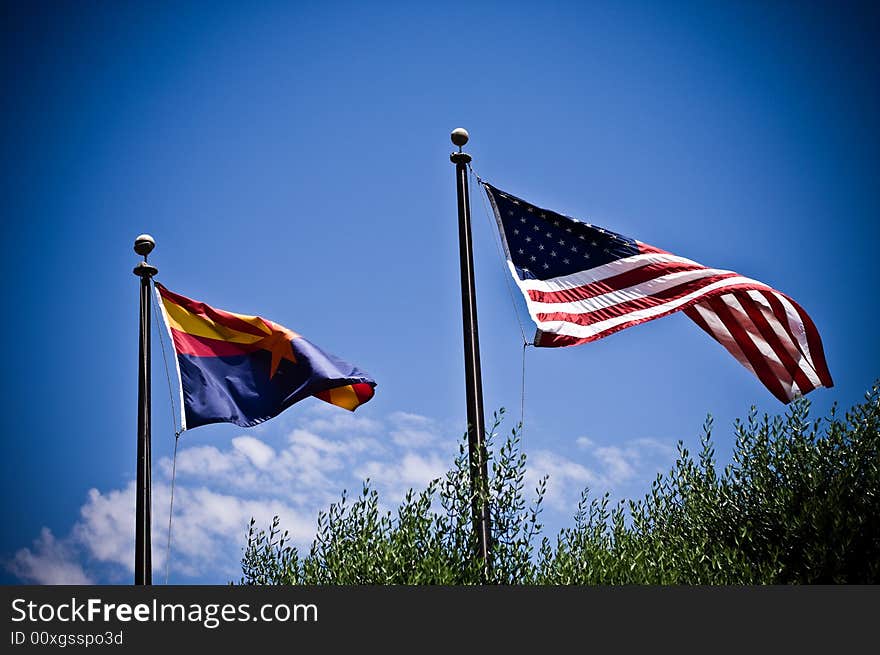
799 503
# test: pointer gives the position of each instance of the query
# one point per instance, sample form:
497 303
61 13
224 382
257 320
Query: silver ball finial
459 136
144 244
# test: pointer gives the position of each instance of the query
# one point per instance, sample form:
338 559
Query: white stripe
598 273
525 294
176 360
723 335
777 368
798 329
586 331
780 331
635 292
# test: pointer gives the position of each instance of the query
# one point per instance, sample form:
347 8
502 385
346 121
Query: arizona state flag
246 369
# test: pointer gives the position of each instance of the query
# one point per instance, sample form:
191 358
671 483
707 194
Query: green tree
799 503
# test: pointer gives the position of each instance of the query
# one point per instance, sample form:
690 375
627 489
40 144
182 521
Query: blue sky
291 161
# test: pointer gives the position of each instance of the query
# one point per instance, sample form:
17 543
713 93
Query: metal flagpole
143 565
476 429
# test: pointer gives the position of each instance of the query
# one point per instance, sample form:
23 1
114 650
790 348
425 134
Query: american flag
582 282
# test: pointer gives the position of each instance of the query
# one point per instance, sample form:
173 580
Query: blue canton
543 244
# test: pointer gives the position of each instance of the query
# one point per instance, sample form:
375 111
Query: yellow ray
202 326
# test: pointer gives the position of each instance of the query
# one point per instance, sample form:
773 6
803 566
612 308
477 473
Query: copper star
278 342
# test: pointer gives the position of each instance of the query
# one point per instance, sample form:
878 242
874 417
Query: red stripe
725 339
550 340
217 315
613 283
774 361
779 310
647 249
817 358
621 309
757 360
817 352
769 334
697 318
189 344
363 391
750 350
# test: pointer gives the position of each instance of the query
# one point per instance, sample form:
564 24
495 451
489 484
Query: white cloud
567 478
607 468
305 441
305 466
294 476
50 562
618 464
408 418
255 450
413 430
413 438
200 461
412 471
219 489
209 529
106 525
632 460
328 419
584 442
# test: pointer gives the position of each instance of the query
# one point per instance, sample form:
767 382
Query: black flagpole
473 379
143 564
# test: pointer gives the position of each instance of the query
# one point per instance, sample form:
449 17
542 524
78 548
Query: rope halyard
171 507
177 432
502 258
522 397
506 274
